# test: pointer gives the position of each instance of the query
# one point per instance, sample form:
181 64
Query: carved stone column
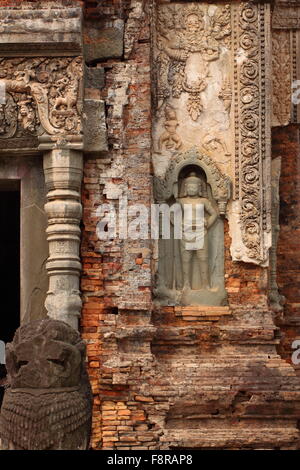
63 169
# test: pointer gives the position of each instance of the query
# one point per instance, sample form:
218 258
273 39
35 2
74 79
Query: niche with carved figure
191 261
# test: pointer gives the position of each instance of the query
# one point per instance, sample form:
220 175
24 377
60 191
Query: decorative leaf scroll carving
252 133
42 95
188 39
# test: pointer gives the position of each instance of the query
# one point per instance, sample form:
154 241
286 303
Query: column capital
62 142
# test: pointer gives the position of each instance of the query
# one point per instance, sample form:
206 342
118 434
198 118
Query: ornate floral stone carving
48 404
286 15
252 133
212 67
185 276
43 95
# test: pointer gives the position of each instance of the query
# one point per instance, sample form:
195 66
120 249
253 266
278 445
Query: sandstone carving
63 175
193 196
187 45
286 15
42 96
252 134
48 403
226 94
212 67
192 274
170 139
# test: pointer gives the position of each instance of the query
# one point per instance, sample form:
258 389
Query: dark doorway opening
10 266
9 259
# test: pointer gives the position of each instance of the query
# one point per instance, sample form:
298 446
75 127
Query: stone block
104 41
44 29
94 77
95 135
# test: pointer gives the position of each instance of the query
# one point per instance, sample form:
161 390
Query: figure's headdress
192 178
193 10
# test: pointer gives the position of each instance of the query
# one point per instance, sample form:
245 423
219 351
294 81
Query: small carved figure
226 94
48 403
69 100
170 138
26 115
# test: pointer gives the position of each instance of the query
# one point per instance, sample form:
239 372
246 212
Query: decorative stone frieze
42 96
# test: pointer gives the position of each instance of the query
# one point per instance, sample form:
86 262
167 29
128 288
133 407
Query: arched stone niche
193 277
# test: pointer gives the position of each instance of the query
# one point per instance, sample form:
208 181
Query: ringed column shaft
63 170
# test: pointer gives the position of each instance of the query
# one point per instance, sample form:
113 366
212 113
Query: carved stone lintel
63 174
43 96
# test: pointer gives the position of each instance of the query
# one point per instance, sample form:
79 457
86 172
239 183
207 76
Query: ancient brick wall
111 268
162 380
286 146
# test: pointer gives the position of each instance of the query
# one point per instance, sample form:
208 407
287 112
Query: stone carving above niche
212 92
43 96
187 44
193 79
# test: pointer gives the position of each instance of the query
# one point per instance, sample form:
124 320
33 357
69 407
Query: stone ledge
202 313
43 30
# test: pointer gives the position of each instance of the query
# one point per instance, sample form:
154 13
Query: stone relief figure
186 51
48 403
190 268
193 196
170 139
42 95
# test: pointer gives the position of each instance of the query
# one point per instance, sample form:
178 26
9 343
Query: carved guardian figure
49 401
